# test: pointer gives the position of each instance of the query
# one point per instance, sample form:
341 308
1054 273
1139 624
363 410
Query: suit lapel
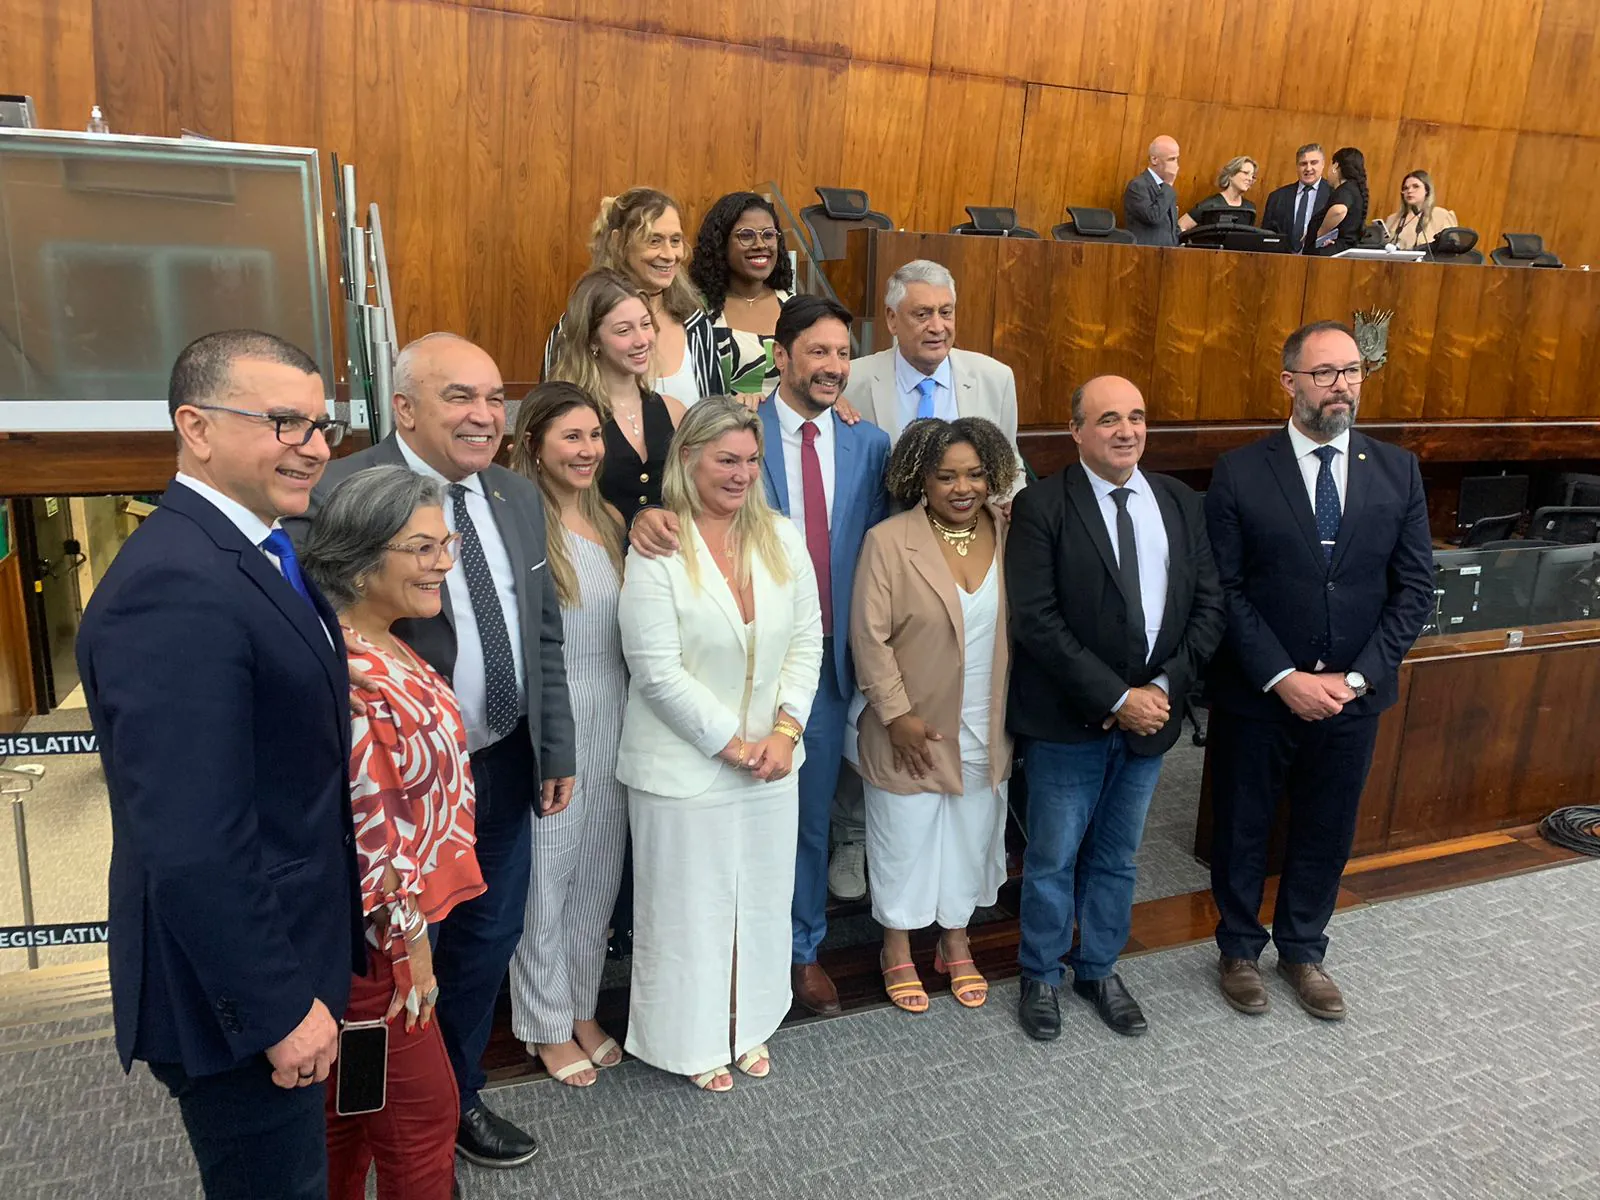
505 519
713 584
846 467
886 399
304 617
962 387
772 472
928 560
1081 492
1357 491
1280 459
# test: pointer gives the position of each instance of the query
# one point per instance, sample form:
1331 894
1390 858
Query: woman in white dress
934 754
559 443
723 641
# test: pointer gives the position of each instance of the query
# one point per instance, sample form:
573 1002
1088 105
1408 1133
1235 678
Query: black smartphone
361 1074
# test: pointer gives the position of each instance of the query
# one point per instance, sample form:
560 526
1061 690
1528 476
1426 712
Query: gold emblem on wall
1372 337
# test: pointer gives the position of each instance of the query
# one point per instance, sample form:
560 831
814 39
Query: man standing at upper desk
1321 541
1290 208
1149 203
498 641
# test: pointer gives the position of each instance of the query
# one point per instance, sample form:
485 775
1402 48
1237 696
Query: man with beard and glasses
827 477
1321 540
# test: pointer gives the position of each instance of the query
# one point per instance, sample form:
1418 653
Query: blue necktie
1328 512
277 543
925 403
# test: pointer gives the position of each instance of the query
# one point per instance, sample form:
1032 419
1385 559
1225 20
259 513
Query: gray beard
1320 423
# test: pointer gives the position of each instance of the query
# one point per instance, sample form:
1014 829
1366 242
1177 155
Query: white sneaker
847 871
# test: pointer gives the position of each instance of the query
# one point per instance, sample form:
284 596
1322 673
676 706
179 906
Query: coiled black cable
1576 828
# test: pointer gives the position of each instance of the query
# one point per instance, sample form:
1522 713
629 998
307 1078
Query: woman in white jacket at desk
724 646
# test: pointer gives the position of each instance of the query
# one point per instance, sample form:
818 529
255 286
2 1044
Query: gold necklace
959 540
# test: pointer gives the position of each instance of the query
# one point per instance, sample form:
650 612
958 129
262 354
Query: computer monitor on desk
1475 590
1230 235
1567 587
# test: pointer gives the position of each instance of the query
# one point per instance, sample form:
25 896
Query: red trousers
413 1138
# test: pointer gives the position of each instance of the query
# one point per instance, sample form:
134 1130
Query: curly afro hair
708 267
922 447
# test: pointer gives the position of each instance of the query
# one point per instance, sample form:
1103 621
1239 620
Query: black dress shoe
488 1139
1114 1003
1039 1011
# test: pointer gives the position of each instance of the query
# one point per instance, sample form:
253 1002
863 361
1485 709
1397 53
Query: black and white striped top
701 342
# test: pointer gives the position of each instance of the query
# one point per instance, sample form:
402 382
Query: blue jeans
1086 807
819 776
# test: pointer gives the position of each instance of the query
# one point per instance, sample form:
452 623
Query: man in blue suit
1320 536
216 682
827 476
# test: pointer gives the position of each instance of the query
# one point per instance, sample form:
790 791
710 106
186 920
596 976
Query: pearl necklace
959 540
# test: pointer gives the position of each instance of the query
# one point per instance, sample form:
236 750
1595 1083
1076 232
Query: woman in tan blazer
928 632
1418 220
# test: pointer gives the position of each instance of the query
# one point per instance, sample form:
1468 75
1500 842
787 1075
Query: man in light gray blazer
923 374
498 641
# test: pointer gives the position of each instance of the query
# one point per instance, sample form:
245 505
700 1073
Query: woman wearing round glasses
379 550
741 266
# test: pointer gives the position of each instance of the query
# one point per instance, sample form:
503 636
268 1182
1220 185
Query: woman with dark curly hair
1346 215
933 749
741 266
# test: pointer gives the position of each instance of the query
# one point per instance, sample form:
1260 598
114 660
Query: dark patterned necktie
499 668
1328 511
1128 568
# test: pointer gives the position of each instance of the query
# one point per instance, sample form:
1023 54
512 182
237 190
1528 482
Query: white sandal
756 1063
706 1079
603 1052
571 1069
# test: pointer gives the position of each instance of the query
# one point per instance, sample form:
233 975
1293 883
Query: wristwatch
1357 683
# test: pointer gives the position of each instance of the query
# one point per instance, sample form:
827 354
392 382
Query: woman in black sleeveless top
605 346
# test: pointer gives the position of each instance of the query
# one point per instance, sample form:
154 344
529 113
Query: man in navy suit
1290 209
1321 540
827 476
216 682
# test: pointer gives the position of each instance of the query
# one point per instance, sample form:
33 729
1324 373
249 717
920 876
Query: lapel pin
1362 457
498 496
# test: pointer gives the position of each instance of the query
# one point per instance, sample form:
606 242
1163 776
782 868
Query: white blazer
984 387
687 654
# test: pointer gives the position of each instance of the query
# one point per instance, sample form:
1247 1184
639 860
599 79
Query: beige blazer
984 387
910 654
688 650
1412 238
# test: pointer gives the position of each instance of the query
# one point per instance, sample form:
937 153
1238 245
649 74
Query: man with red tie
827 477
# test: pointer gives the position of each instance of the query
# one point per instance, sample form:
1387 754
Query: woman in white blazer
724 647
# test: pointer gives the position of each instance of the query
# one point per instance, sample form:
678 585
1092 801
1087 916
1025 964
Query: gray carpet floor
1469 1068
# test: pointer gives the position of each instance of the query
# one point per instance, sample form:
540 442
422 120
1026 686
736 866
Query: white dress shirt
789 422
1150 540
1310 465
906 379
468 677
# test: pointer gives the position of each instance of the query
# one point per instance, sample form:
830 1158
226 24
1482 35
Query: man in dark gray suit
1150 205
498 641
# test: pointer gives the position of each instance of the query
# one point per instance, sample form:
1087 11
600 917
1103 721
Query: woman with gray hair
379 550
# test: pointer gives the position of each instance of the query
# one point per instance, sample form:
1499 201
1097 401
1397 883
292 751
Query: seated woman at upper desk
1338 227
1238 176
1419 218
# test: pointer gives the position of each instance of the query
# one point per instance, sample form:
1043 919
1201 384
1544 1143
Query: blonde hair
1232 167
594 297
754 527
1424 213
541 408
626 221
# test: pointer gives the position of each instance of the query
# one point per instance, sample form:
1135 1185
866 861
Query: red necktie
815 501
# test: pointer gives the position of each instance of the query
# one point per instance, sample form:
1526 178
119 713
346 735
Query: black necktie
499 668
1328 512
1300 205
1128 569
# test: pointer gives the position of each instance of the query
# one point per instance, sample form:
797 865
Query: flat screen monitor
1567 587
1481 589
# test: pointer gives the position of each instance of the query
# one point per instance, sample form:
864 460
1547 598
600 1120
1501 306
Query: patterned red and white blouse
411 790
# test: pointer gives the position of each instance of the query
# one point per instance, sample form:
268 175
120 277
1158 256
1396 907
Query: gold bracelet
789 729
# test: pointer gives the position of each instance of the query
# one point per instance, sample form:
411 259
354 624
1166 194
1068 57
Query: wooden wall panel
979 165
1565 76
48 52
1071 153
797 140
887 31
1554 181
1255 40
881 144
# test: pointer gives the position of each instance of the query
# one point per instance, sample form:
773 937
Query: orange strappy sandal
962 987
908 995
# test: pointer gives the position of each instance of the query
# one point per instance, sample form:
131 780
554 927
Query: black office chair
1373 237
841 210
1578 490
1489 496
1568 526
1233 236
1490 529
1454 246
993 222
1523 250
1091 225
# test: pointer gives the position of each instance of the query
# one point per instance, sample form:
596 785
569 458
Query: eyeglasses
1324 376
428 553
290 429
749 237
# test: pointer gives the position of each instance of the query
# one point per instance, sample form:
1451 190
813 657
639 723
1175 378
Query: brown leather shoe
813 990
1242 986
1315 989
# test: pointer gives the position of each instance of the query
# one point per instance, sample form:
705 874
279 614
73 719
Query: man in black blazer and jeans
1321 539
1115 607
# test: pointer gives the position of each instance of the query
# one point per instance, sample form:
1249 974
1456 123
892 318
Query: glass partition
115 252
1513 587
